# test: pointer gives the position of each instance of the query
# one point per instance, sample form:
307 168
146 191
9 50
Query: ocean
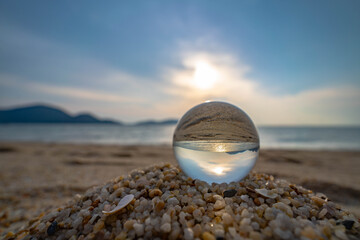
324 138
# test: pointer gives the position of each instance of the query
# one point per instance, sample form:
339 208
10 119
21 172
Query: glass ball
216 142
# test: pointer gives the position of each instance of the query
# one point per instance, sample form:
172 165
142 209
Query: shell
266 193
122 203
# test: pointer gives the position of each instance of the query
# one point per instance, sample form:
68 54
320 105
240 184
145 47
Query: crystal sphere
216 142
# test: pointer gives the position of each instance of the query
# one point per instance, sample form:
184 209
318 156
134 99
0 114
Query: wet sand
37 177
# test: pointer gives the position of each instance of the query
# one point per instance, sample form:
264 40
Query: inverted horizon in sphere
216 142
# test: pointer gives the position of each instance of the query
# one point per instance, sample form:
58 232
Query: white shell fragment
266 193
123 203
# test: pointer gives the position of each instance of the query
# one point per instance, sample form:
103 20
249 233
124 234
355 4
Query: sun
205 76
218 170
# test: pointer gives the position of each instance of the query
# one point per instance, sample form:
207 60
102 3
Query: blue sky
283 62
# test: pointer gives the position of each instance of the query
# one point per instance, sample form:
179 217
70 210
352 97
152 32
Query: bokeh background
283 62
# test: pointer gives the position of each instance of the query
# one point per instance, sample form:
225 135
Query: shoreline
80 143
37 177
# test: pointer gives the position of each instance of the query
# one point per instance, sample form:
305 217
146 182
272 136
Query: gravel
169 205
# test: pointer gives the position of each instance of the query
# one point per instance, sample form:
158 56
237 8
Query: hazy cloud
82 83
328 105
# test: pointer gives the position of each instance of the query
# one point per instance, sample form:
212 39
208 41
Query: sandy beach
38 177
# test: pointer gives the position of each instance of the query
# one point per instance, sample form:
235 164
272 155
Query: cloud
44 69
69 92
327 105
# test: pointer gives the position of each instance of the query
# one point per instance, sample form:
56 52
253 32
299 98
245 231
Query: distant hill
152 122
46 114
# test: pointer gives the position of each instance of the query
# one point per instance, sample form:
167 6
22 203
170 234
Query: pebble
52 228
159 206
98 226
348 224
322 213
197 230
139 229
166 227
208 236
197 214
219 204
229 193
283 207
228 220
318 201
169 205
155 192
173 201
188 234
255 236
129 224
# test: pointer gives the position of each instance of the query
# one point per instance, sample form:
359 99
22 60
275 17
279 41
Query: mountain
46 114
152 122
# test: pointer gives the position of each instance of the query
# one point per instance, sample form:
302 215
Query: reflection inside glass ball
216 142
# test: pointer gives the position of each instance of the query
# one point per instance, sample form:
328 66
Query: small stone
245 213
257 202
9 235
173 201
121 236
348 224
175 233
166 218
98 226
318 201
197 214
155 192
70 234
228 220
322 213
52 228
166 227
139 229
189 209
129 224
269 214
208 236
229 193
340 234
197 230
295 202
219 204
309 233
159 206
255 236
188 234
283 207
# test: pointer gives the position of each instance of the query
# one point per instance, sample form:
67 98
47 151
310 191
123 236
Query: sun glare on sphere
205 76
218 170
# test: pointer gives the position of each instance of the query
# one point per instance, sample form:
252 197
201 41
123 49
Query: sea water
216 142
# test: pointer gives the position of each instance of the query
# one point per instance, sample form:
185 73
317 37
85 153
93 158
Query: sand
38 177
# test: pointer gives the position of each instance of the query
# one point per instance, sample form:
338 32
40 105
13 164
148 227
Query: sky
282 62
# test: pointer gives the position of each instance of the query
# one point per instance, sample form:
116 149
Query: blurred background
284 63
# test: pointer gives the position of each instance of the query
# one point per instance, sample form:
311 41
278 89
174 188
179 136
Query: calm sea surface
337 138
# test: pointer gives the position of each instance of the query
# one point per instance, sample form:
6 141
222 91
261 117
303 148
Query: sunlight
205 76
220 148
218 170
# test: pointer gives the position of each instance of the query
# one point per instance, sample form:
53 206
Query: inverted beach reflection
216 162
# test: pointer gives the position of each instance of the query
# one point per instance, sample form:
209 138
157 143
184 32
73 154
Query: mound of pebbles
169 205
